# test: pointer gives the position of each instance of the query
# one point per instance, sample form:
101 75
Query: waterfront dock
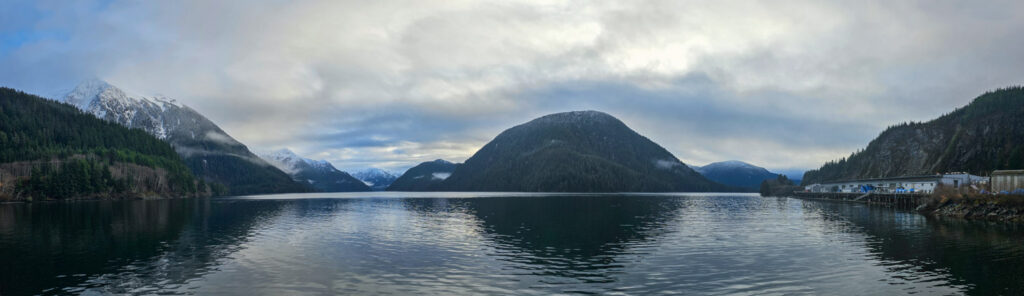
900 200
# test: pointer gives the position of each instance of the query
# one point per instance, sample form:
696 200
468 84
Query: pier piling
898 200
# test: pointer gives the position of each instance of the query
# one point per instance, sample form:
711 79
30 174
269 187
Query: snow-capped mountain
377 179
162 117
736 173
287 161
319 174
210 152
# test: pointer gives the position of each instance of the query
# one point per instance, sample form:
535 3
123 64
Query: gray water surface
499 243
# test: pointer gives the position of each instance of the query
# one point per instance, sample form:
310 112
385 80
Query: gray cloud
783 84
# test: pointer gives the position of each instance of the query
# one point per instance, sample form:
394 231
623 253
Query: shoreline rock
981 211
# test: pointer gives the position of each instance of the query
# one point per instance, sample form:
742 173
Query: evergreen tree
83 146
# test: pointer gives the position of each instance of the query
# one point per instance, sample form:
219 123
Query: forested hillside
209 152
424 177
53 150
736 173
985 135
581 151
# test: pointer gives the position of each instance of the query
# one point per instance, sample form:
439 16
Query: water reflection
116 246
494 244
984 258
571 236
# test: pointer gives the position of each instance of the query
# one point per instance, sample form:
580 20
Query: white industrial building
908 184
1007 181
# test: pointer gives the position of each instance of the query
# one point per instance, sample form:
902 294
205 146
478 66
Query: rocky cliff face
986 135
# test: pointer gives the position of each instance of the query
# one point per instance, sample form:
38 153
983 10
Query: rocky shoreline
985 210
973 206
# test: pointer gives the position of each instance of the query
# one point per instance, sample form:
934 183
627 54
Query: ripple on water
524 244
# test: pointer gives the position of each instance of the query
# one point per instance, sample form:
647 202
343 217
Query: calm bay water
467 243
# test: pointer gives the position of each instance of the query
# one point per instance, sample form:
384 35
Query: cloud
440 176
220 138
782 84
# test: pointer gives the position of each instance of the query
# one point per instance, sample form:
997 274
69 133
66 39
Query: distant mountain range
208 151
573 151
581 151
426 176
377 179
319 174
736 173
985 135
793 175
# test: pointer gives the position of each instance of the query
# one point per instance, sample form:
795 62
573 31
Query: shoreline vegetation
142 196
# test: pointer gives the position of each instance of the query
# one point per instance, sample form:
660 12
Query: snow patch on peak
285 160
376 178
733 164
373 173
167 102
84 93
320 164
96 91
588 117
580 115
292 163
160 116
283 153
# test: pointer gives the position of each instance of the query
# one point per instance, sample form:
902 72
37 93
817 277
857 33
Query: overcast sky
780 84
